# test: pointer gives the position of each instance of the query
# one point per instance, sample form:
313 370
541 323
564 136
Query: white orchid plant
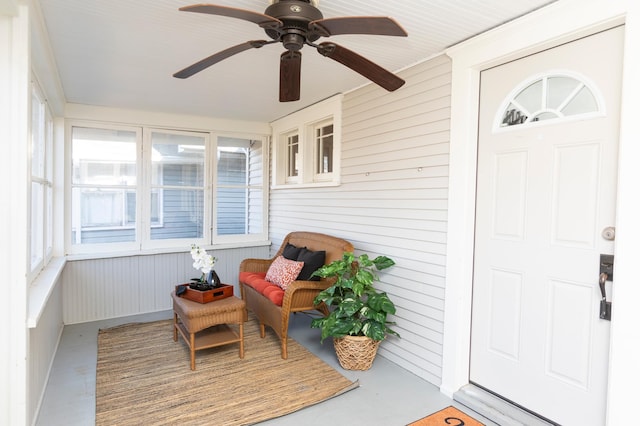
202 261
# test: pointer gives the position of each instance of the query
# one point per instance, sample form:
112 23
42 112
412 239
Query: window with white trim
41 182
175 200
552 96
240 188
307 146
293 151
104 185
136 188
323 150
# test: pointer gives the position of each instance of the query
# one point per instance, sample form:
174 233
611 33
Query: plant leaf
374 330
383 262
365 277
381 303
349 307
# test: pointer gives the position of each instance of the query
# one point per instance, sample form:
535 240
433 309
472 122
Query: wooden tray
224 291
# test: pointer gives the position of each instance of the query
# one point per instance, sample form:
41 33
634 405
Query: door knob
609 233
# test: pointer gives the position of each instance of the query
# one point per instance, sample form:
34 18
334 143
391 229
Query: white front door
545 192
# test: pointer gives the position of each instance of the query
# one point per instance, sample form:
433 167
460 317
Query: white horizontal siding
109 288
393 201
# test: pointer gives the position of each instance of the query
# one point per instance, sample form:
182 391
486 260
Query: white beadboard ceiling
122 53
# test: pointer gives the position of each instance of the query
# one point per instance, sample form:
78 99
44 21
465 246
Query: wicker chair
300 294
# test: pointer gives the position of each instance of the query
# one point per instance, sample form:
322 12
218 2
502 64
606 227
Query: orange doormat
449 416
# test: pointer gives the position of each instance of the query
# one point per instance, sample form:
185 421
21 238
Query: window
550 97
240 194
41 186
307 146
142 188
293 149
104 185
176 198
323 142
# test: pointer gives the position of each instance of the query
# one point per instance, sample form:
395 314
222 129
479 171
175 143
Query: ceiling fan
295 23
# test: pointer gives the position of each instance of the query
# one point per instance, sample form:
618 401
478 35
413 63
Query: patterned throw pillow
283 272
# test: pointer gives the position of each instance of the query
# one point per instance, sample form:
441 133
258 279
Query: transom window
550 97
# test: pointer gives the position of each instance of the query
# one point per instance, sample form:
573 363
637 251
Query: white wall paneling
120 286
43 344
393 201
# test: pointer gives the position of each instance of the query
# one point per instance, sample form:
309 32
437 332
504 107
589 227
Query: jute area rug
449 416
143 377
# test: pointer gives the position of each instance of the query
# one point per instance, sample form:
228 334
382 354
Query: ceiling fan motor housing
295 16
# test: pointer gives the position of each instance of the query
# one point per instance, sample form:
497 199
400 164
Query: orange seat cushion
268 289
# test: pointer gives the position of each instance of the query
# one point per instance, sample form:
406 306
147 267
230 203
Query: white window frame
72 248
43 130
291 178
242 238
304 123
319 176
143 242
146 188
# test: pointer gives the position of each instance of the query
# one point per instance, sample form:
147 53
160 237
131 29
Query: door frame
547 27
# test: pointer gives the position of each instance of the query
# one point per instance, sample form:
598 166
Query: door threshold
495 408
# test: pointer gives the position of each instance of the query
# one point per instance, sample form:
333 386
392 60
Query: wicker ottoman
204 325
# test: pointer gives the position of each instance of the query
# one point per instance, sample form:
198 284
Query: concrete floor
388 394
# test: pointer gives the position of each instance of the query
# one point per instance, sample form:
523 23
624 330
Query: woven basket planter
356 352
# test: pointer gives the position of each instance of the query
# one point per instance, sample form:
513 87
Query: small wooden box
225 290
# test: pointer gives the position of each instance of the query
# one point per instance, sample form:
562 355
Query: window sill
151 252
41 288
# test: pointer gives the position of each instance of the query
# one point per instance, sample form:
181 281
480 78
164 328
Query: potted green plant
357 318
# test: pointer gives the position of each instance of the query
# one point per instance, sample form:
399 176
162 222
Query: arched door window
554 96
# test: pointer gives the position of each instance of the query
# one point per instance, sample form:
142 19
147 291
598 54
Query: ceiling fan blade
374 25
362 65
217 57
290 64
233 12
